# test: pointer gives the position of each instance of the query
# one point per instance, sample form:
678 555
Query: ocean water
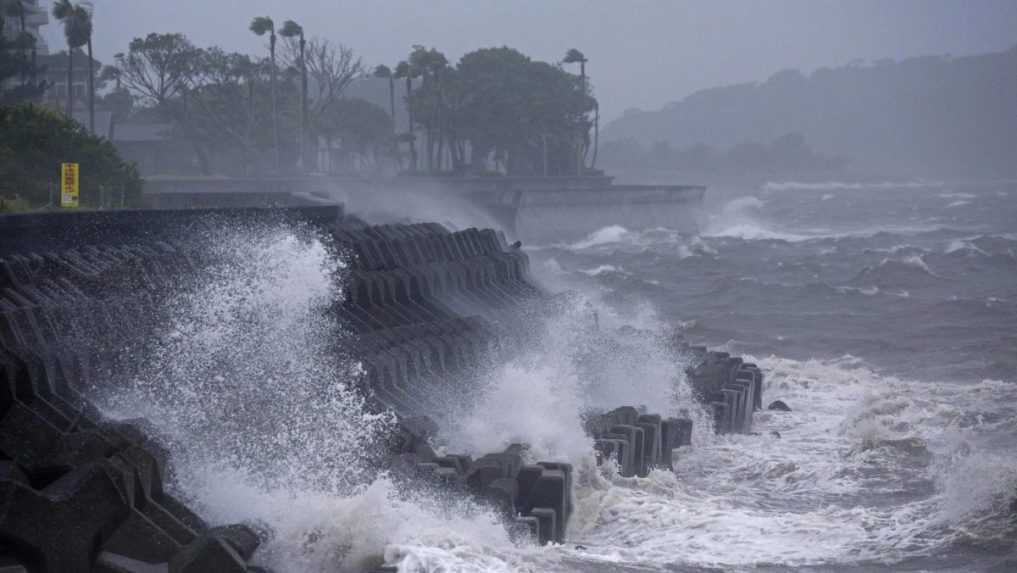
885 315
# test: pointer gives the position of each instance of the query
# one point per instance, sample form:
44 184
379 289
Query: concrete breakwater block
75 486
534 499
638 443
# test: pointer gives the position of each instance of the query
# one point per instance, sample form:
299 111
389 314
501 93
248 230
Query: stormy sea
884 315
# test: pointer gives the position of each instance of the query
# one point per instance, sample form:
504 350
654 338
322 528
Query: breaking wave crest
903 272
842 185
843 493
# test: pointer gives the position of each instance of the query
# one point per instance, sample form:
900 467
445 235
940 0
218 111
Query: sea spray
585 357
248 386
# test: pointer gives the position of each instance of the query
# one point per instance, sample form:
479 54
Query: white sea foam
604 236
740 218
957 195
966 246
839 185
804 491
603 269
576 365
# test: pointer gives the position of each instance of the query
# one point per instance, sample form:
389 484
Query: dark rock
779 406
241 538
109 562
775 434
63 523
205 554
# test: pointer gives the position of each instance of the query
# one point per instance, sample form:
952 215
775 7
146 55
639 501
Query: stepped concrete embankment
427 308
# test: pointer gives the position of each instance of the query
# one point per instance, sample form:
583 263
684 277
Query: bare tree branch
331 68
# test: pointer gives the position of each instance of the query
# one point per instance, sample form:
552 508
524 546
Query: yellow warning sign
69 185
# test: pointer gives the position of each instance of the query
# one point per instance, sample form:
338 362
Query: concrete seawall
529 208
426 305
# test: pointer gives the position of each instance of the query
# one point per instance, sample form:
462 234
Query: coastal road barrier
425 309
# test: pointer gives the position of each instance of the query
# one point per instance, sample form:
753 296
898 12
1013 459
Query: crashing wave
844 185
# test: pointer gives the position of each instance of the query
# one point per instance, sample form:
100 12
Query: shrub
34 141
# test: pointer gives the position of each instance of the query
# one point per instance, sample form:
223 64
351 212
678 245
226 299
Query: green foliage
221 102
574 56
158 67
291 29
34 141
262 25
363 126
499 104
76 20
18 75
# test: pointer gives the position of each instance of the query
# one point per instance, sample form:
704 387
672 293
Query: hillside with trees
927 116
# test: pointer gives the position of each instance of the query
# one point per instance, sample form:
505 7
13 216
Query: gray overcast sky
642 53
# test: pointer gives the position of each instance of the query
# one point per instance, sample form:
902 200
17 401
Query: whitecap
603 236
841 185
965 245
603 269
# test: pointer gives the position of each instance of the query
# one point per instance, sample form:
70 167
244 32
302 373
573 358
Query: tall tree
85 14
161 70
385 72
430 65
158 67
365 129
331 68
77 24
15 61
406 71
16 9
507 105
262 25
292 30
574 56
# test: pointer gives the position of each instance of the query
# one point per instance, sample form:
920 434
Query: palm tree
574 56
384 71
404 70
78 32
86 16
260 26
291 29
